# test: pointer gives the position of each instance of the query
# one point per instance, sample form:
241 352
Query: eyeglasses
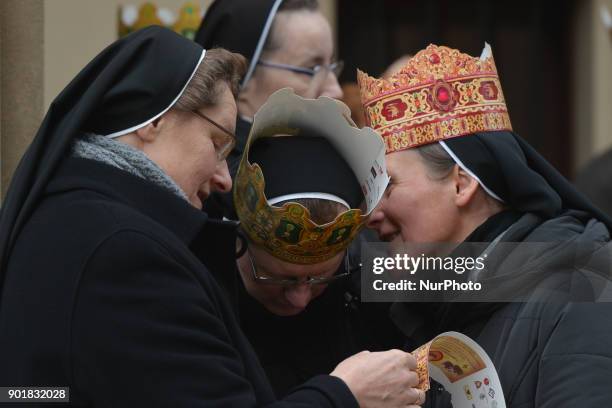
295 281
334 67
224 143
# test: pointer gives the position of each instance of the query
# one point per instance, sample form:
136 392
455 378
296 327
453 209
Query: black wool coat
105 294
333 327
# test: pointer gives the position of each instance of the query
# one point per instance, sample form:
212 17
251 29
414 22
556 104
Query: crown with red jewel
441 93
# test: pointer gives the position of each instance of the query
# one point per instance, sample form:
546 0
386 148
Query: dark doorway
531 41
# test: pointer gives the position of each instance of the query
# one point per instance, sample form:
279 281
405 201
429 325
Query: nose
299 295
221 180
331 87
375 219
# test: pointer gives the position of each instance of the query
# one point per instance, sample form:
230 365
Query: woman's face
283 300
183 147
304 39
416 208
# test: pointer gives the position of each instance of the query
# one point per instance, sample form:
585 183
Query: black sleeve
148 332
576 365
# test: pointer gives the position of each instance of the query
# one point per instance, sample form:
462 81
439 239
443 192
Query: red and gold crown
441 93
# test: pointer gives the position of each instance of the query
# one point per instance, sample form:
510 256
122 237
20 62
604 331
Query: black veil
515 172
128 85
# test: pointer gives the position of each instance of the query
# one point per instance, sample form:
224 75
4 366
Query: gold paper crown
288 232
441 93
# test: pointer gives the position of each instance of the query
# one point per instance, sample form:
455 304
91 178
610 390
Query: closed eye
389 188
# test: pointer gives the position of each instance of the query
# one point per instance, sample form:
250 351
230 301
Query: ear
466 187
148 133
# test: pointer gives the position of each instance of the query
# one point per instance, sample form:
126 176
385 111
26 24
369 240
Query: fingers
416 397
420 397
390 375
413 379
409 363
409 359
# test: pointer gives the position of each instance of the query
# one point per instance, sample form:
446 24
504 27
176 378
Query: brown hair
218 67
321 211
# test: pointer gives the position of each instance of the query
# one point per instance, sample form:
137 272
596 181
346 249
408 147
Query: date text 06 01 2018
34 394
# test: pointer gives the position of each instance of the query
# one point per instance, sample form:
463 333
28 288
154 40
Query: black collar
161 205
493 226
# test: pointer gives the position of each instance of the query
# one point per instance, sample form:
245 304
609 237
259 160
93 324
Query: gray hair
437 160
440 165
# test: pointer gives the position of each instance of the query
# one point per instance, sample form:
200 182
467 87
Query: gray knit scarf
123 157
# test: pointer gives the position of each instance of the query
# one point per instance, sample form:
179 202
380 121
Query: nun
300 204
288 43
460 175
103 246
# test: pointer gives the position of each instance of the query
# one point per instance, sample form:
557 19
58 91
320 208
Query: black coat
333 327
549 351
103 294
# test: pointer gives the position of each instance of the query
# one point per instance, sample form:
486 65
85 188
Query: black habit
104 283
